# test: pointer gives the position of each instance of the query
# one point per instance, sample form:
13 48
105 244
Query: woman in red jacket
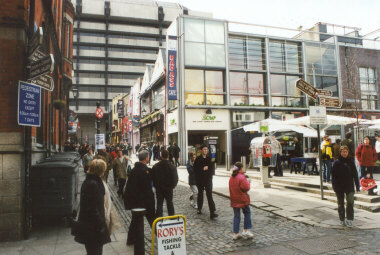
367 156
239 187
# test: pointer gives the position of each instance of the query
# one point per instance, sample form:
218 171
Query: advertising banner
100 141
120 109
172 68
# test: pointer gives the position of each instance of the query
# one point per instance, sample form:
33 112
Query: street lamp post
97 120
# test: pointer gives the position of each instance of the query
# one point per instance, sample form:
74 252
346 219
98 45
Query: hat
203 145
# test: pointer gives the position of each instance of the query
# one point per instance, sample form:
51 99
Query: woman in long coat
93 232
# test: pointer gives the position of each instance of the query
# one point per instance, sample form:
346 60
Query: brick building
21 146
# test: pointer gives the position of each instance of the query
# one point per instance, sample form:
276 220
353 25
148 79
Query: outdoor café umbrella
331 120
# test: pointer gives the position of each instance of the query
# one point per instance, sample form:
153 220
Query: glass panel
194 30
255 54
159 98
278 101
278 84
214 99
194 80
371 75
214 32
255 83
294 101
293 58
291 89
238 82
195 54
215 55
253 100
194 99
277 56
236 53
363 74
331 83
313 57
214 81
239 100
363 87
328 60
364 104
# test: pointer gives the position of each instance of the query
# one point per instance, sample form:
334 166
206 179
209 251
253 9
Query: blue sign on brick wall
29 104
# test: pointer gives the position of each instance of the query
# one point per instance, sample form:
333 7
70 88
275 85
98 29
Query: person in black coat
192 181
344 175
93 232
165 179
176 151
171 153
204 171
139 193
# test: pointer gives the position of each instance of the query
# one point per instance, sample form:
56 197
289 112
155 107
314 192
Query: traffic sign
42 66
99 113
318 115
324 92
44 81
171 235
306 88
29 104
333 102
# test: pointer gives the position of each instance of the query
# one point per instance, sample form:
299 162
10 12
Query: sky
293 13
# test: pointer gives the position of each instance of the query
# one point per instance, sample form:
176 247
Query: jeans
349 207
94 248
168 196
364 170
278 165
194 193
326 168
206 186
247 218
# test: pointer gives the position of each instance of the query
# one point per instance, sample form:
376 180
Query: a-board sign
42 66
100 141
318 115
306 88
171 235
330 102
29 104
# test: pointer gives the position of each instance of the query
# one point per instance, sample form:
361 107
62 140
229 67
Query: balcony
132 42
122 68
133 29
91 67
91 25
89 53
92 81
124 82
132 55
90 39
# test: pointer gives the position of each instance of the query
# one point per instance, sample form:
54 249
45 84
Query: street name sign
37 55
330 102
306 88
42 66
29 104
43 81
324 92
100 141
171 236
35 41
318 115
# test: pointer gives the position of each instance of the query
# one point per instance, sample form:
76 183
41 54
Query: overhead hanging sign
29 104
172 68
42 66
120 108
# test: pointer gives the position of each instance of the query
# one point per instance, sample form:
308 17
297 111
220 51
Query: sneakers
349 223
247 234
213 215
235 237
342 223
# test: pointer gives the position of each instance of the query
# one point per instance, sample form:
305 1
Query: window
284 92
325 82
204 43
322 57
247 88
159 98
204 87
246 53
368 88
285 57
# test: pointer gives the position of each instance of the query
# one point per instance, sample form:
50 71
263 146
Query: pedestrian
350 144
176 151
108 160
192 180
335 149
277 150
377 146
204 172
87 159
296 153
137 147
344 176
326 159
369 185
139 193
120 165
239 187
113 155
250 164
367 156
92 229
165 179
171 153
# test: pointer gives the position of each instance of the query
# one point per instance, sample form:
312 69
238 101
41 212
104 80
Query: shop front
152 129
172 127
208 126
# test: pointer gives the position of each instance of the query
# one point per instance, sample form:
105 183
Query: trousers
349 207
205 186
168 196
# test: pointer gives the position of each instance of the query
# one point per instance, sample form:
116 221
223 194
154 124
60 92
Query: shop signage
120 108
333 102
171 237
199 120
43 81
29 104
172 68
318 115
306 88
100 141
42 66
172 119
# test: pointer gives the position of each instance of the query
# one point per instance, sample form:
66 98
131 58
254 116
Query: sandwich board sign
171 235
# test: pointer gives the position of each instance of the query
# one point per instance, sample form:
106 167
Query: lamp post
97 120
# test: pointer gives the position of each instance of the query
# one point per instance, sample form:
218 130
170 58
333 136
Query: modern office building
113 41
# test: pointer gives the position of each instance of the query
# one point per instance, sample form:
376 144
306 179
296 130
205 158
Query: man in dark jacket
171 153
204 171
165 179
343 177
176 151
139 194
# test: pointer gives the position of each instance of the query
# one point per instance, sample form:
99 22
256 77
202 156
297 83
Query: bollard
244 162
138 215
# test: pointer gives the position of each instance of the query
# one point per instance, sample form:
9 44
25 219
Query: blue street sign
29 104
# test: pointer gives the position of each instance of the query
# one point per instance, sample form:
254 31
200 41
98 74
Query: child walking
239 187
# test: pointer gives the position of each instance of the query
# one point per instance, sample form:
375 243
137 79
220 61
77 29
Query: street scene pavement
276 228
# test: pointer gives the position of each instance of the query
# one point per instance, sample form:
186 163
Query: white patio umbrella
374 122
374 127
331 120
